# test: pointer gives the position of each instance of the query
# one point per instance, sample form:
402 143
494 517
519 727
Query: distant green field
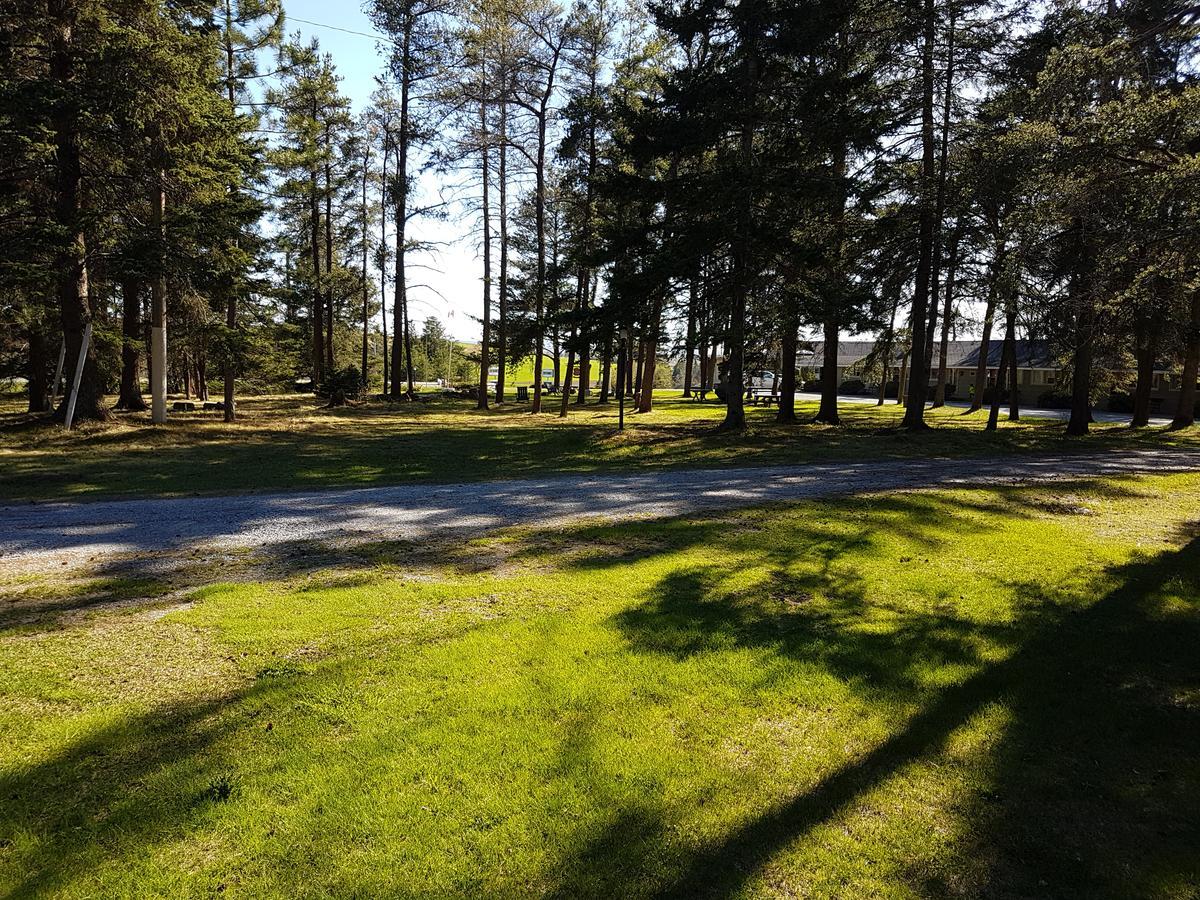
292 442
522 373
990 692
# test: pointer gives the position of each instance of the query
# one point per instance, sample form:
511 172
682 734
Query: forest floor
292 443
974 690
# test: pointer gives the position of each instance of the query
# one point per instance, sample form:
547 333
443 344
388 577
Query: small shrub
852 386
1120 402
1054 400
342 385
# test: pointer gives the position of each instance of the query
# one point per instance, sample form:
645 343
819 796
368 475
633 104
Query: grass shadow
1095 785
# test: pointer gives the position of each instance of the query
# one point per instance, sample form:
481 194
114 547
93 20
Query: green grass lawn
986 692
291 443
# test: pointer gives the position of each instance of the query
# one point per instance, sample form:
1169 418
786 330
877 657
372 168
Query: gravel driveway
42 535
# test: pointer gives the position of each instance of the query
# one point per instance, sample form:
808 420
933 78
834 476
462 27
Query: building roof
1031 354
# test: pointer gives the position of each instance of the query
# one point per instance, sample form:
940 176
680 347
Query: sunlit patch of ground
952 693
292 443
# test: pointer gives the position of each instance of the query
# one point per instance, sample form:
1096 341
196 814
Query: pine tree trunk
230 367
580 291
585 371
989 317
228 379
888 348
622 368
918 387
641 365
787 373
690 342
502 186
606 369
158 313
1145 349
330 362
539 202
590 287
649 365
1081 368
1007 358
402 342
710 380
1185 414
935 280
130 397
828 410
485 173
735 402
646 399
71 257
38 375
556 357
939 394
318 311
383 314
201 378
1014 388
366 293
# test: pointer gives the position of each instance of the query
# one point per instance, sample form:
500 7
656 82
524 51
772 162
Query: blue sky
448 284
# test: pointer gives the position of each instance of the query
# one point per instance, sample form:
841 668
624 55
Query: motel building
1042 377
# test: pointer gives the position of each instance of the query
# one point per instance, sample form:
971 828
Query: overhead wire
373 35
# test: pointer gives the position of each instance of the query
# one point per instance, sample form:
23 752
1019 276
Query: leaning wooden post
58 372
83 350
158 316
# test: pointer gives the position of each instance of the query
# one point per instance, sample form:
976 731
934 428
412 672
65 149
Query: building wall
1032 383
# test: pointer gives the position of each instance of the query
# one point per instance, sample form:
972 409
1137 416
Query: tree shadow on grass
690 614
58 608
1094 787
124 788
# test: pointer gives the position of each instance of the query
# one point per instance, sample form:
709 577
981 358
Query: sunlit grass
283 443
956 693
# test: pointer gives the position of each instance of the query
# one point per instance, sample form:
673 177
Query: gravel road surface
43 535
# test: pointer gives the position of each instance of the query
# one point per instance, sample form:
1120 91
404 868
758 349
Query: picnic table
762 397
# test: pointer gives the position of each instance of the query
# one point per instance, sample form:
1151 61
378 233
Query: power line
372 35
